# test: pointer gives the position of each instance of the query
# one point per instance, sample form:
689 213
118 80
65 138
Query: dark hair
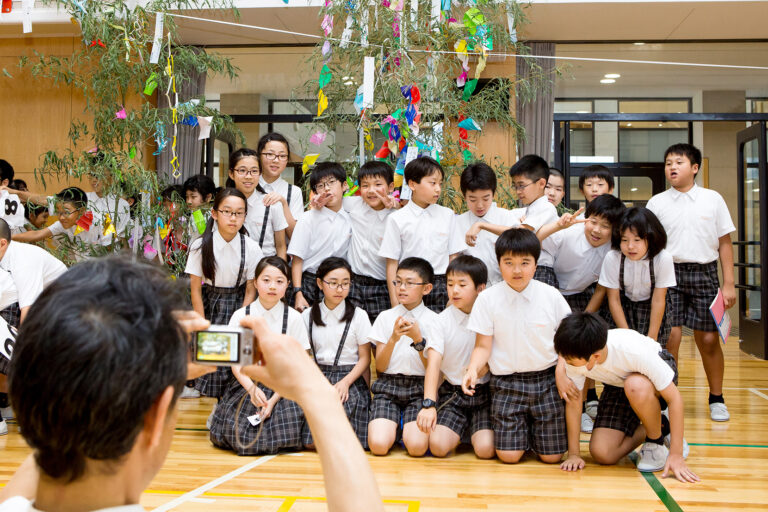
419 265
33 209
271 137
324 170
596 171
273 261
73 195
129 348
376 169
208 257
518 242
606 206
477 176
18 184
645 225
6 171
420 168
234 158
201 184
556 172
689 151
473 267
532 167
173 193
327 266
580 335
5 230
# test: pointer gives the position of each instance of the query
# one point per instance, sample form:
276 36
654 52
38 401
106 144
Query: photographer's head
97 368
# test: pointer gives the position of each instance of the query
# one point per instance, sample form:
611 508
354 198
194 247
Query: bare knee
416 442
484 451
603 455
510 457
551 459
637 385
440 448
708 342
380 440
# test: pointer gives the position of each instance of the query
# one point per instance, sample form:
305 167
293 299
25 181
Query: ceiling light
661 124
629 124
607 81
633 189
613 75
639 43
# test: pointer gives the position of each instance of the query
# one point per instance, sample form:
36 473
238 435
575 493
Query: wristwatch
428 403
420 345
297 290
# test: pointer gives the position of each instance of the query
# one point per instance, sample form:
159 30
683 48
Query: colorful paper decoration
109 228
469 88
472 19
132 153
120 114
469 124
84 222
383 152
151 84
352 187
322 102
97 42
325 76
318 138
199 219
205 126
309 161
160 138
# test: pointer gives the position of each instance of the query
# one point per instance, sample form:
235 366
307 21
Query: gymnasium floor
731 459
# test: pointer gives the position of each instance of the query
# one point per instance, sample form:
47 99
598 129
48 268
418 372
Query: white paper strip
364 25
26 12
435 13
346 34
368 81
205 126
154 57
512 30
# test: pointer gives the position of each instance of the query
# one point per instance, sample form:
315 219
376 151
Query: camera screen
217 346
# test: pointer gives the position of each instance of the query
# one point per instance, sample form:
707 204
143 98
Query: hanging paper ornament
97 42
325 76
469 124
309 161
132 153
109 228
351 187
84 222
199 219
189 121
327 50
322 102
383 152
359 100
327 24
317 138
398 183
467 156
120 114
160 138
469 88
472 19
151 84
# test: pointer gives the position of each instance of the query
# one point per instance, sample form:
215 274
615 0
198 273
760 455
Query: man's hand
679 469
191 321
569 219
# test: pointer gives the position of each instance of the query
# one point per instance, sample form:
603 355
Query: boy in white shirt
699 229
320 233
515 322
400 335
594 181
422 228
103 206
636 372
457 415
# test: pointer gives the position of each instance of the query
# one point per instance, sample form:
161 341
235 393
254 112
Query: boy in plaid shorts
699 228
457 416
400 335
637 373
515 322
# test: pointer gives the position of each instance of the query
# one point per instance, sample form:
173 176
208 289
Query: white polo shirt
694 222
540 212
522 324
81 242
637 274
367 233
254 221
628 352
320 234
274 318
8 293
117 208
326 339
576 262
296 205
428 233
32 268
455 343
227 256
405 359
485 247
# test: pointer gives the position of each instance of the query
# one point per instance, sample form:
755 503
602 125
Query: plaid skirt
397 397
580 301
638 315
357 405
12 315
547 276
464 414
437 299
219 304
696 288
370 295
281 431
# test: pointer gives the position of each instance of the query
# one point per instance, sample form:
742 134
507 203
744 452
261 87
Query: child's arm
597 299
29 197
566 221
280 246
384 350
658 304
274 198
675 462
363 363
480 356
726 262
32 236
250 292
391 274
574 462
617 312
297 265
258 398
496 229
427 418
196 291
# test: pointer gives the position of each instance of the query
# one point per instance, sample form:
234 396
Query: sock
662 403
3 399
583 406
664 426
592 395
716 399
660 440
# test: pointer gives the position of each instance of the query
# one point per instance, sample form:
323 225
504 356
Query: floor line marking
212 484
727 389
731 445
759 393
658 488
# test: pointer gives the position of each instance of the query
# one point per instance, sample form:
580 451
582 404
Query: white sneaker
686 448
190 393
719 412
587 423
210 418
591 408
3 428
653 457
7 413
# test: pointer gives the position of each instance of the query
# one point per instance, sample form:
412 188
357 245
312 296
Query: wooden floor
731 458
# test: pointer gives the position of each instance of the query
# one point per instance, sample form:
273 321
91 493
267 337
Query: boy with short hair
422 228
320 233
453 415
699 228
401 335
529 179
107 209
636 371
199 191
595 181
515 322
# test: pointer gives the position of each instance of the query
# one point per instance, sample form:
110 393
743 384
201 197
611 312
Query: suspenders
242 260
285 316
264 226
341 343
288 198
621 274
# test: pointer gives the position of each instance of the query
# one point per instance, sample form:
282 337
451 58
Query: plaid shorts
5 365
547 276
370 295
696 288
462 413
309 288
614 410
580 301
281 431
528 413
437 299
12 315
638 315
396 396
357 405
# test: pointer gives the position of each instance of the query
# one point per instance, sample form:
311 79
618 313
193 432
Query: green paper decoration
325 77
469 88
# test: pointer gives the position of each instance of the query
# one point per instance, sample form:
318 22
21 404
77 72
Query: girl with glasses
274 152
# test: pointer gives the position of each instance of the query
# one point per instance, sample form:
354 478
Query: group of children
488 327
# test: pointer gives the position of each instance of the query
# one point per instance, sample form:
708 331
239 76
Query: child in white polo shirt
515 322
699 229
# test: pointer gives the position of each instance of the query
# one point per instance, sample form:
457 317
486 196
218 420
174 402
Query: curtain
535 114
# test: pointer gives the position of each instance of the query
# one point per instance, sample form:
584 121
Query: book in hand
720 315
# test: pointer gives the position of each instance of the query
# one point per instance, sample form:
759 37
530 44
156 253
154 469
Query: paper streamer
469 124
325 76
199 220
322 102
308 162
154 56
369 64
205 126
346 34
120 114
151 84
26 13
317 138
469 88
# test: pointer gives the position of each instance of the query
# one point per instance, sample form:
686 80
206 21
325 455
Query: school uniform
335 348
320 234
485 246
463 414
526 408
236 262
428 233
263 222
81 244
291 193
117 208
628 352
636 281
230 428
539 212
399 391
694 222
369 270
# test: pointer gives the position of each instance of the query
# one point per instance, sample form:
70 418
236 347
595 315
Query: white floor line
727 389
212 484
758 393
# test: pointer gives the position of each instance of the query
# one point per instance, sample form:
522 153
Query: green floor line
659 489
731 445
